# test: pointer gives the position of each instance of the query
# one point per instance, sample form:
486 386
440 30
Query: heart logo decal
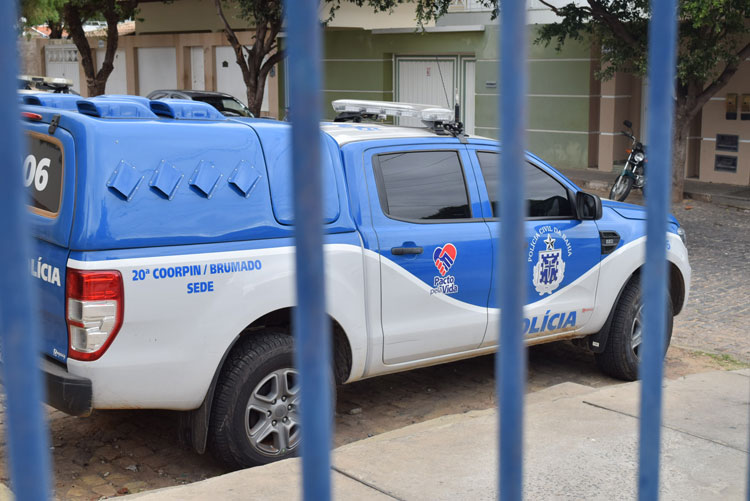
444 257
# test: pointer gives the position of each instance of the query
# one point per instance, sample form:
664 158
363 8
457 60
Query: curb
5 493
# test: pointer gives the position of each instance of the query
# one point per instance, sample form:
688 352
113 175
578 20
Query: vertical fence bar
661 77
311 327
25 426
510 362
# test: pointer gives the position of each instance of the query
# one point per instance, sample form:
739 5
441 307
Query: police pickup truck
164 255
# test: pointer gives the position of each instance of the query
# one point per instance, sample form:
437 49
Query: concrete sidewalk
723 194
580 443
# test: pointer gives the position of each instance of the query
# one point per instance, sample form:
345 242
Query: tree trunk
252 85
96 81
679 156
55 29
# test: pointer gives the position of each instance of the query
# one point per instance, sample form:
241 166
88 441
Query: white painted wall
351 16
117 82
229 77
62 61
197 69
157 69
469 94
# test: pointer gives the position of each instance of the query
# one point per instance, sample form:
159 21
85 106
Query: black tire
620 359
246 374
621 188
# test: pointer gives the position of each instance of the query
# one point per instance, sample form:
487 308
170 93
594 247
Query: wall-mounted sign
745 107
731 101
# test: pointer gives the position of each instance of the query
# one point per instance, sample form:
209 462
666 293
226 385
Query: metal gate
27 437
62 61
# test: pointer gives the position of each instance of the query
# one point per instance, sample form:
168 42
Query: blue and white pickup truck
164 253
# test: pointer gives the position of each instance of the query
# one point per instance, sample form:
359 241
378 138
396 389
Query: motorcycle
633 174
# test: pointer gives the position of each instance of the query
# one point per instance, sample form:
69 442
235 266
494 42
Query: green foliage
40 11
711 32
92 10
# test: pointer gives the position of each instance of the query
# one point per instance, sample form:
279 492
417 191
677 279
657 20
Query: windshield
227 105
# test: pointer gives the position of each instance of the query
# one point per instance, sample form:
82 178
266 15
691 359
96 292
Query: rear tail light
94 307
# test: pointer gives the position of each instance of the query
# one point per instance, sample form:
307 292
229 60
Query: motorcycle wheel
621 189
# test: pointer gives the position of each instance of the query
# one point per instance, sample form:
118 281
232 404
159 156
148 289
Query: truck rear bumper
65 391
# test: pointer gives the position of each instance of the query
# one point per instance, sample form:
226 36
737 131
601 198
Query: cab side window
422 185
545 196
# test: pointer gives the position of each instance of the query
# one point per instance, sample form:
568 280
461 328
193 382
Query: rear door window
422 185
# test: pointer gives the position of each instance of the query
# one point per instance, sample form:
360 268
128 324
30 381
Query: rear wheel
621 189
255 419
622 354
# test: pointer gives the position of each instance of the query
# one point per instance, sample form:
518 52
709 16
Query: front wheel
622 353
621 189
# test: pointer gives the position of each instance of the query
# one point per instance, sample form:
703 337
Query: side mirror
628 124
588 206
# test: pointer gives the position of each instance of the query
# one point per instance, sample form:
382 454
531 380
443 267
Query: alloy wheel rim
636 331
272 422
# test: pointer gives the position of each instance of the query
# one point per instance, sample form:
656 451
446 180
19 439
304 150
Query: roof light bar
425 112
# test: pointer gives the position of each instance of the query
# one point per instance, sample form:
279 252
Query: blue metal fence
25 426
27 439
511 359
311 327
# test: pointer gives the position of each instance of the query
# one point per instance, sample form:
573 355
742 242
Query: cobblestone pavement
716 317
718 240
117 452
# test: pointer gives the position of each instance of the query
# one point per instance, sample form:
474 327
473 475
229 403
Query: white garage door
229 77
157 69
425 81
435 80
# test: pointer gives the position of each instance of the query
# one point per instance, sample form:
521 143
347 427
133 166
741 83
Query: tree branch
112 18
233 41
73 21
618 27
551 7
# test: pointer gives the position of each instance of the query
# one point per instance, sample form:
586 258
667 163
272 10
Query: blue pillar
312 330
510 363
26 429
661 76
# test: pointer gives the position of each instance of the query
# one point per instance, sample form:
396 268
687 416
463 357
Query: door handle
401 251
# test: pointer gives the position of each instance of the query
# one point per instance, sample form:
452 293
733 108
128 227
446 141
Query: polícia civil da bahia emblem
549 269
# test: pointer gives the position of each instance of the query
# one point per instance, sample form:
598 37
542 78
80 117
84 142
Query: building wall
359 64
714 121
185 16
144 63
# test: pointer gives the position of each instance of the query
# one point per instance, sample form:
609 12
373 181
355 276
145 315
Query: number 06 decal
43 168
36 172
